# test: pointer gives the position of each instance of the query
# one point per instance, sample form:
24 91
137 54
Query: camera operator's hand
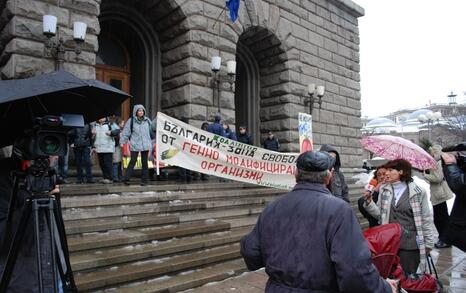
448 159
56 190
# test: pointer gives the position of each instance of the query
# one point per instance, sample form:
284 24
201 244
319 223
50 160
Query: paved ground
450 263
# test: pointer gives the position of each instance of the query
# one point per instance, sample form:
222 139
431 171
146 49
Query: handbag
423 283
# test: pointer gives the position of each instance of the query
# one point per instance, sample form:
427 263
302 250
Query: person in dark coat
338 185
271 143
228 132
310 241
216 127
243 136
81 142
456 179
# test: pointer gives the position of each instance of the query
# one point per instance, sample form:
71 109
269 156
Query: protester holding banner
271 142
216 127
228 132
138 131
243 136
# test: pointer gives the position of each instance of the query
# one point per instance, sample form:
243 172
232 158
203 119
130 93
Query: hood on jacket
330 149
435 151
136 108
217 118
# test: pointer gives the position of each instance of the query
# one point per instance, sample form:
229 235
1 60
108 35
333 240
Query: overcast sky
411 51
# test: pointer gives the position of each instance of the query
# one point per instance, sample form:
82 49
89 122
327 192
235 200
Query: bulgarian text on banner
182 145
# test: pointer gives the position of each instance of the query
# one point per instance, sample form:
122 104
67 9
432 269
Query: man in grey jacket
309 241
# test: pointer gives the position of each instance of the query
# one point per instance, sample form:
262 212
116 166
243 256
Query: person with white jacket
403 201
104 144
439 194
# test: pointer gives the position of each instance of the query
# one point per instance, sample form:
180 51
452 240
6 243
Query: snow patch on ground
175 202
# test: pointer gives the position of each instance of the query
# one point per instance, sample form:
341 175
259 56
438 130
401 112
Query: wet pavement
450 264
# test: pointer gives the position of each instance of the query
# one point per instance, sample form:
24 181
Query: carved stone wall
295 42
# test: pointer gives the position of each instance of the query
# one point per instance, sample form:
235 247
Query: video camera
48 137
461 155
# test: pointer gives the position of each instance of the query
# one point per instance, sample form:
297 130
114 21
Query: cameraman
454 174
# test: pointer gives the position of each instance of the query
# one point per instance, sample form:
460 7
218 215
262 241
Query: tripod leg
51 207
35 207
15 246
68 272
11 209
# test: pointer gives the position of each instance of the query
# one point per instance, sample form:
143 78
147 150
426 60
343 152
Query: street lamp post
57 47
217 78
430 118
313 91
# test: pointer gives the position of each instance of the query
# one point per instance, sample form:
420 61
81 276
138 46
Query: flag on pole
233 6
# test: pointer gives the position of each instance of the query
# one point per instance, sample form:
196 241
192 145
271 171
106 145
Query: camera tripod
46 210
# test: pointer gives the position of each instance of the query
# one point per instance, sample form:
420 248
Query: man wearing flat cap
310 241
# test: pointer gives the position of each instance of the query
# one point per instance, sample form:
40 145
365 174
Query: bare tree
456 124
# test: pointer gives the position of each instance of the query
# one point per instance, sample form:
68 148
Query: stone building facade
160 51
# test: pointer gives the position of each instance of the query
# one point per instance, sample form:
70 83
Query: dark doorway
247 92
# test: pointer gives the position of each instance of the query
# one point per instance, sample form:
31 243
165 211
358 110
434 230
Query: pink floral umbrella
393 147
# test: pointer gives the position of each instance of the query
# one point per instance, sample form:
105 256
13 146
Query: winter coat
104 143
338 185
244 138
140 134
309 241
439 190
271 144
81 137
230 134
421 210
457 182
216 128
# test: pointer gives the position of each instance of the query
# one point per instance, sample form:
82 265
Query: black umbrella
22 100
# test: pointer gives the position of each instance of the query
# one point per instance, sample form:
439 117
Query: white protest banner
182 145
305 132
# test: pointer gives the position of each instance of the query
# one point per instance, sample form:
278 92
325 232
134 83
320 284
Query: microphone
371 185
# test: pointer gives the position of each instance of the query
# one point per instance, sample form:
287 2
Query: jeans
132 163
106 164
83 161
63 164
117 172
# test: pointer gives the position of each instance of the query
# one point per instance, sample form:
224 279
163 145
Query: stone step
113 223
144 220
128 210
238 222
222 213
155 197
90 189
116 255
187 280
131 236
155 267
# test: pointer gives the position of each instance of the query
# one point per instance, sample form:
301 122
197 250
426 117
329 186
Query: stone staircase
159 238
163 237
